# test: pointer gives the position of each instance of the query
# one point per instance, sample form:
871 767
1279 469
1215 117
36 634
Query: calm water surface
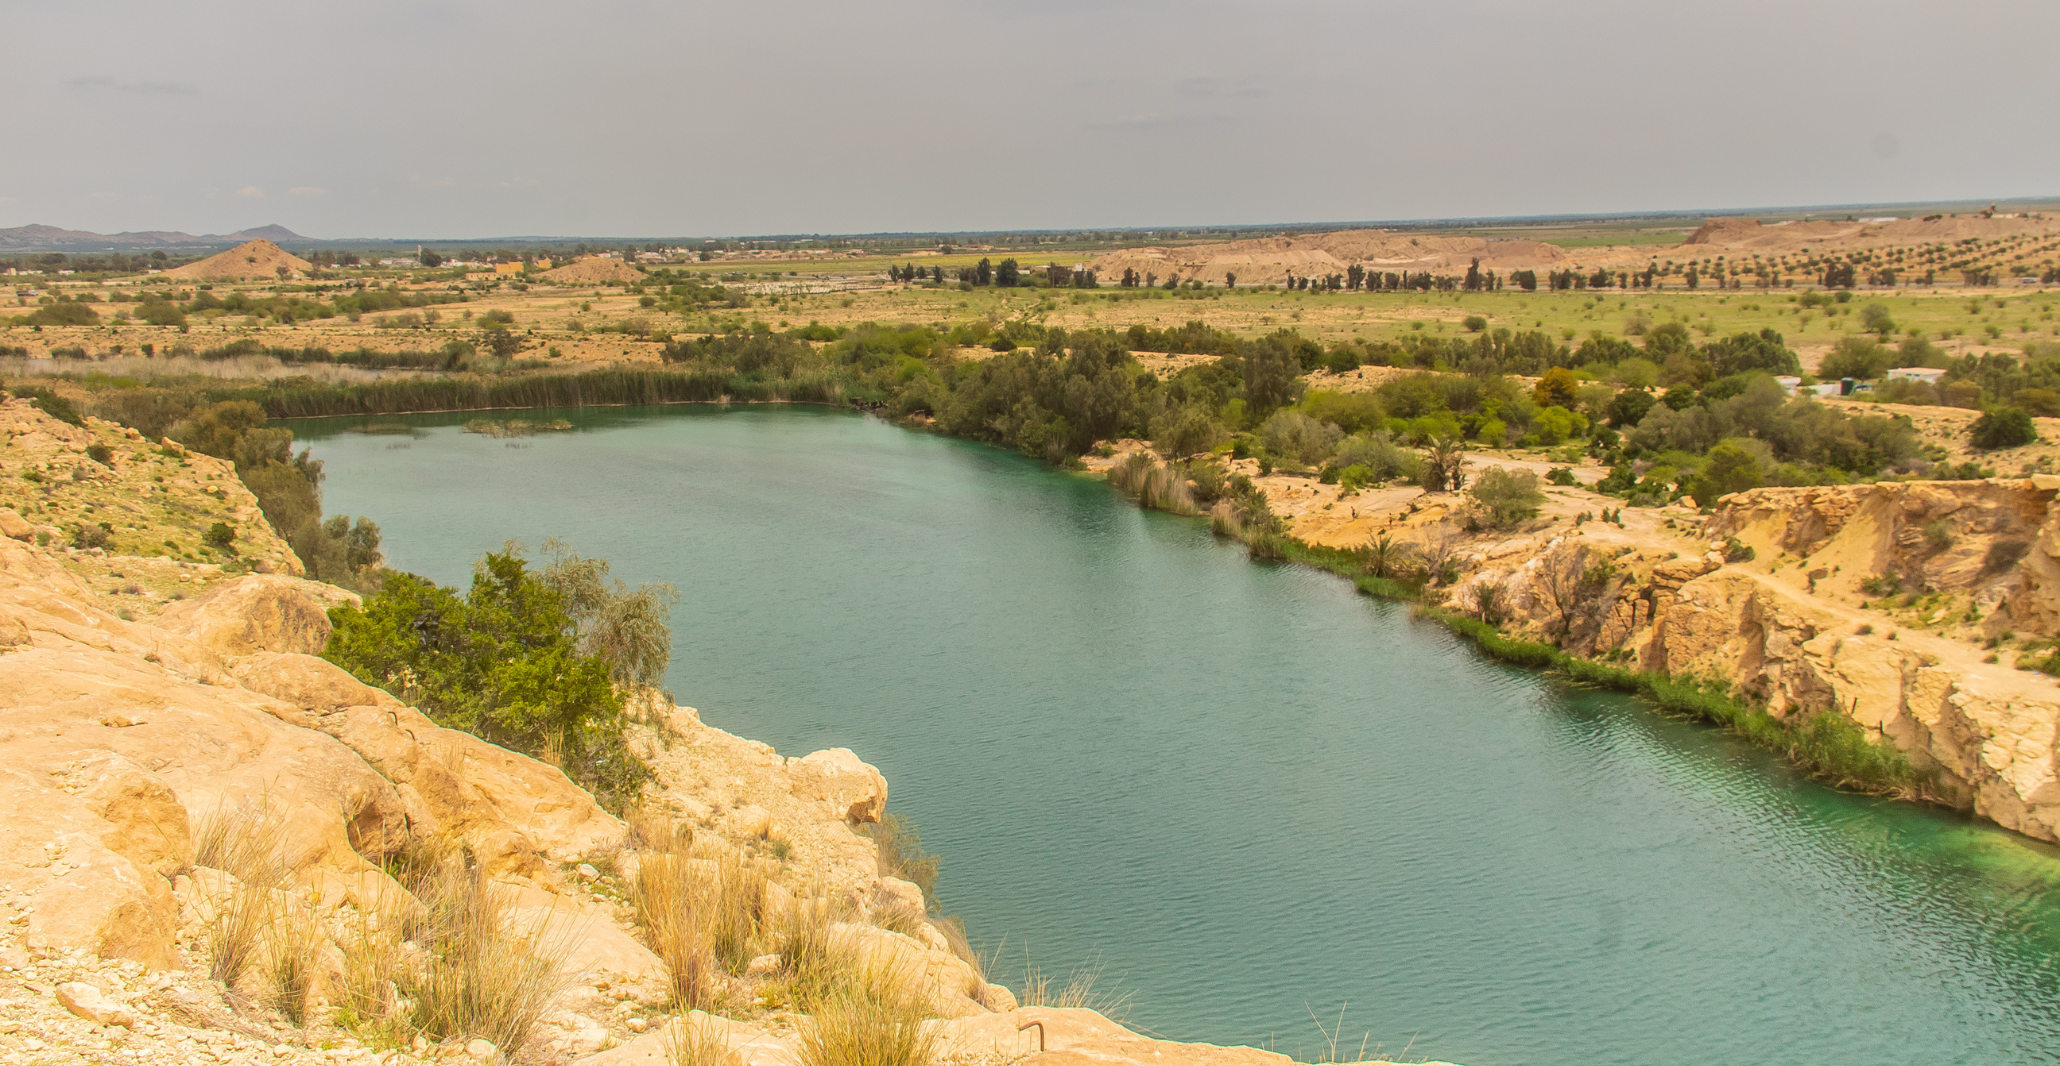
1246 790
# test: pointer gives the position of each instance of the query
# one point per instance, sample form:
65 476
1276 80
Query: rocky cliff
154 706
1918 610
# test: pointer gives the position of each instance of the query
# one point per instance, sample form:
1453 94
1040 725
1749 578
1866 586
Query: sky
482 118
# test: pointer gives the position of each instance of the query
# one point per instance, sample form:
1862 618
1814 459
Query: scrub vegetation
537 660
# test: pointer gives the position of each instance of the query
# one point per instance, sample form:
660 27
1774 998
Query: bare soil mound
1751 234
594 270
247 261
1268 260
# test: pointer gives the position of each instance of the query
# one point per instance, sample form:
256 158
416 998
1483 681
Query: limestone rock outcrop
118 738
1869 601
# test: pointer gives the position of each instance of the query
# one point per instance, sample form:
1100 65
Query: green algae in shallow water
1247 788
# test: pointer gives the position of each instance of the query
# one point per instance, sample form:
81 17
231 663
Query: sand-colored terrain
593 270
1269 260
258 260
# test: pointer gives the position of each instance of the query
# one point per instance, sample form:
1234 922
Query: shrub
2004 427
1474 323
85 536
51 404
1502 498
220 537
100 453
1294 436
61 313
507 662
1381 458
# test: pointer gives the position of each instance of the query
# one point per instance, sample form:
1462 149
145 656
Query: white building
1915 373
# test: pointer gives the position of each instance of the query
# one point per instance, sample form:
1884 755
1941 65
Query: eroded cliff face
1885 603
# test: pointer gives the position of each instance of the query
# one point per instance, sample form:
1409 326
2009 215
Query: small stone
92 1004
586 872
481 1050
762 966
636 1025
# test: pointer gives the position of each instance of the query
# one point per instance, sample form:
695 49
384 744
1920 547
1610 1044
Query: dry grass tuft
455 967
290 947
666 895
700 908
873 1017
702 1041
241 841
1083 988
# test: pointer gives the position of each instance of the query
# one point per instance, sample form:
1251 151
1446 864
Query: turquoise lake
1246 791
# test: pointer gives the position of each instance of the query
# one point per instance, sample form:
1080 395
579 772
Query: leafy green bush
51 404
503 663
1503 498
2004 427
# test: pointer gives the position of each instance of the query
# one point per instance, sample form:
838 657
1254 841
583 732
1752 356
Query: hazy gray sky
468 118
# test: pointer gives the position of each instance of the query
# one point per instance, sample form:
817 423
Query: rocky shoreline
1920 611
144 700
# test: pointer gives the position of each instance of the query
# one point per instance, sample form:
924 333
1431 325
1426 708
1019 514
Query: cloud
307 190
251 192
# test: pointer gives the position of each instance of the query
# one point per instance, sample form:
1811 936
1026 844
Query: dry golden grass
243 842
873 1016
291 944
700 907
667 897
1083 988
703 1041
451 967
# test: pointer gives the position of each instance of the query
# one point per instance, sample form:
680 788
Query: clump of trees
288 491
533 659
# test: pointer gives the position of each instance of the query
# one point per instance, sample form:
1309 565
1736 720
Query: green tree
1627 408
1557 388
1729 469
2004 427
1742 352
503 663
1860 358
1008 274
1271 365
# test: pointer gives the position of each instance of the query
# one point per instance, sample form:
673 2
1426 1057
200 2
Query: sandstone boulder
515 812
258 613
313 684
15 526
838 777
92 1004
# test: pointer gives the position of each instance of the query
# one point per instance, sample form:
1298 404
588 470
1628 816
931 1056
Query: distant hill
253 259
35 238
